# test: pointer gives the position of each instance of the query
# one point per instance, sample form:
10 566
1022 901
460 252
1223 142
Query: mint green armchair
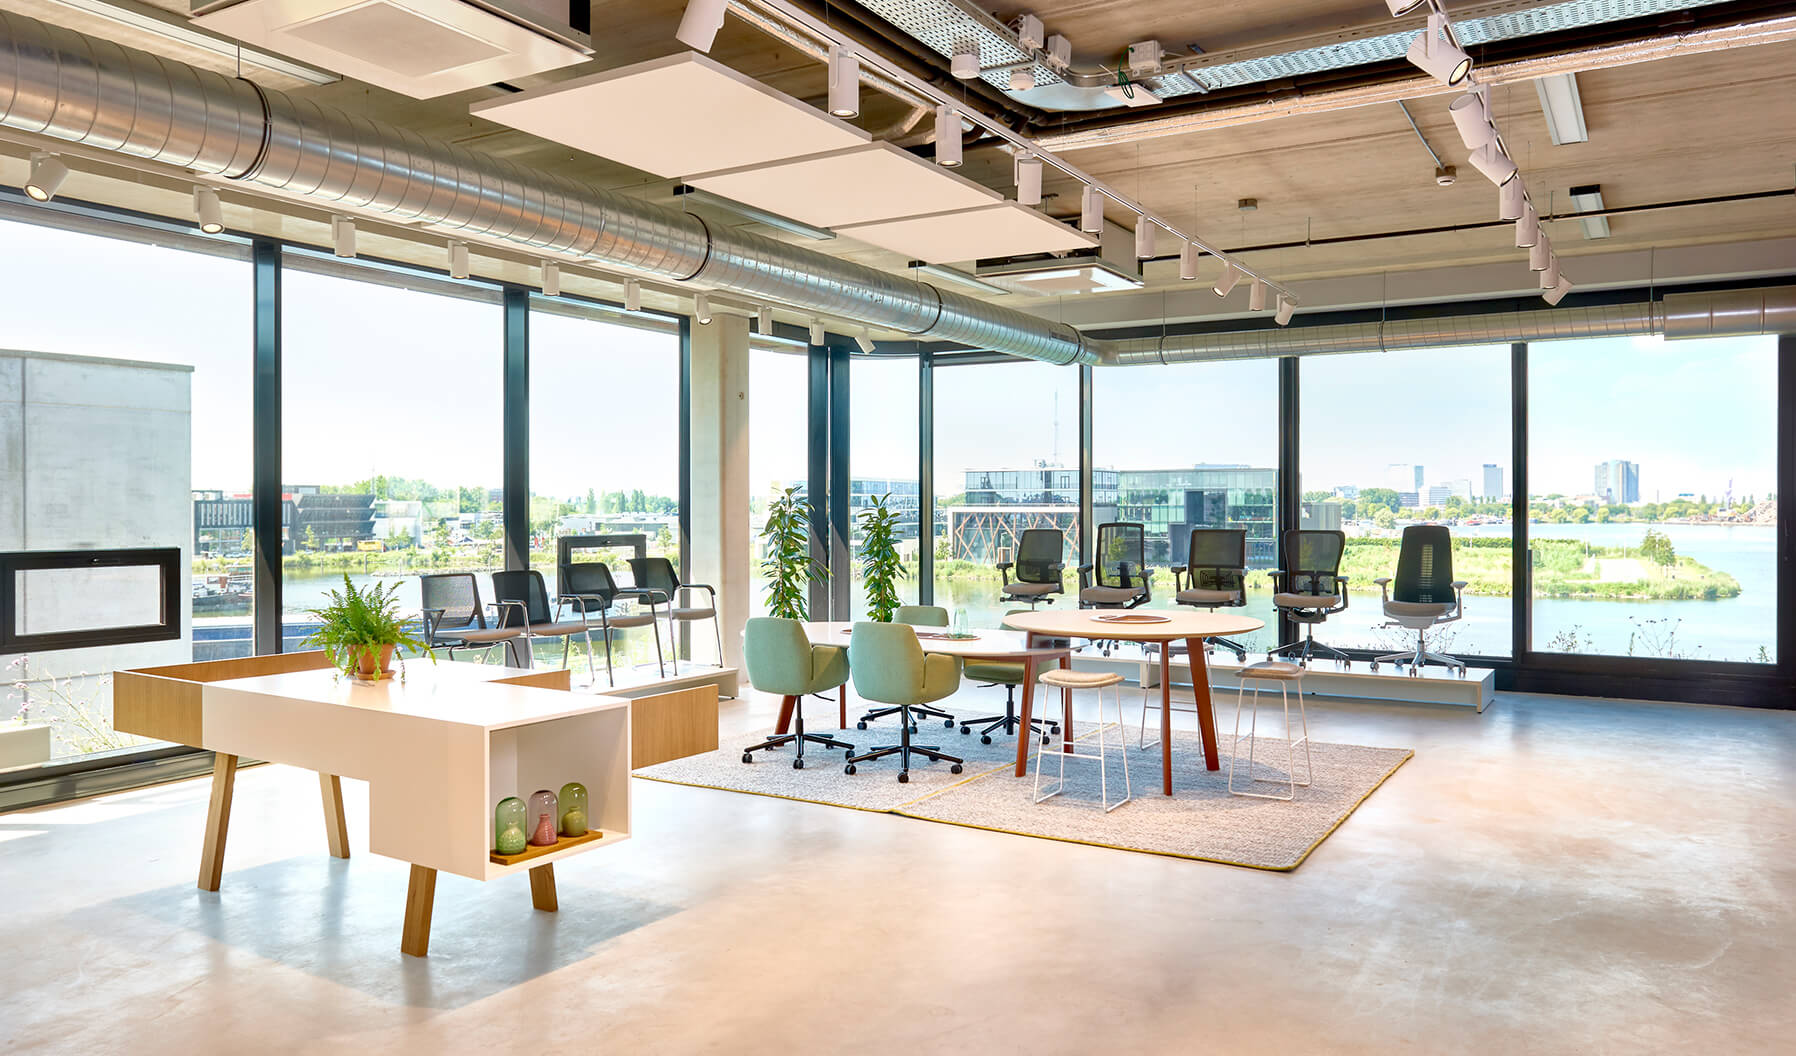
889 667
1009 674
781 659
915 616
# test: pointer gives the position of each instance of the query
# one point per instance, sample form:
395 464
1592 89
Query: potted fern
786 556
361 629
880 565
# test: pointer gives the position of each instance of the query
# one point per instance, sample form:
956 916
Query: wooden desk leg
218 820
1024 733
1166 718
1066 711
542 888
336 831
1200 690
842 706
786 706
420 897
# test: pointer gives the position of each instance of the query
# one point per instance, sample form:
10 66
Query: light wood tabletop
988 643
1192 627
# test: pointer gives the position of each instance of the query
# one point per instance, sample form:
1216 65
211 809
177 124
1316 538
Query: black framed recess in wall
74 599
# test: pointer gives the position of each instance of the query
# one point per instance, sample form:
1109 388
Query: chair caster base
904 777
955 769
798 764
861 725
985 738
747 758
849 769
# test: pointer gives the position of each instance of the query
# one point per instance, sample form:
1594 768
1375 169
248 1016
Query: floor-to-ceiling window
1194 446
882 459
125 419
1006 459
1652 469
605 447
391 433
1391 439
778 441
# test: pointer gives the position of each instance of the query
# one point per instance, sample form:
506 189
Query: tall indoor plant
880 565
786 556
360 629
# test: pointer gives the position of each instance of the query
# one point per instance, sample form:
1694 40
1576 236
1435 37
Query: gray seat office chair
1425 595
659 574
1038 564
455 619
1310 588
523 603
1214 576
1119 577
589 587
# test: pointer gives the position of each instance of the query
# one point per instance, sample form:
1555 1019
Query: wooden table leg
336 830
420 897
1200 691
842 706
1066 710
1024 734
542 888
218 820
786 706
1166 718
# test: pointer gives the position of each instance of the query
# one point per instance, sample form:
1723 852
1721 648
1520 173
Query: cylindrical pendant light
1558 292
207 212
1540 253
1286 306
947 137
1256 297
458 260
1436 56
1527 228
551 279
764 320
816 331
1549 278
1472 117
844 82
1493 163
342 236
47 174
632 295
1091 211
1188 260
1028 180
701 308
1144 238
1511 200
1226 282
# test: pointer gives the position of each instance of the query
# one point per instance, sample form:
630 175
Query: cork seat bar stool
1289 679
1066 678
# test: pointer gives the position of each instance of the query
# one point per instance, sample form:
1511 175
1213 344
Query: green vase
508 826
573 809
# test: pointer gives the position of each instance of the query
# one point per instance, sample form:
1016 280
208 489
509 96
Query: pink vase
545 832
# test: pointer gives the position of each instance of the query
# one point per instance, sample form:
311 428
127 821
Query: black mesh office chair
1119 577
659 574
1310 588
589 587
1214 576
523 603
1425 594
1039 564
455 619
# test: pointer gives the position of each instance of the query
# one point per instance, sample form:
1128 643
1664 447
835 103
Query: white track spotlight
764 320
844 82
816 331
1286 306
1511 200
1225 284
1493 163
1256 296
1188 254
1436 55
1558 292
1144 237
551 279
864 342
1091 211
1028 180
699 25
947 137
965 64
1550 277
1022 79
1527 227
632 295
1399 8
1541 253
206 210
1471 116
701 308
343 236
47 174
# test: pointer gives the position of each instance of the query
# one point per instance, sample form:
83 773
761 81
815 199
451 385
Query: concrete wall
720 493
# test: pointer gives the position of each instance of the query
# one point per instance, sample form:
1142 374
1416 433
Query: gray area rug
1201 820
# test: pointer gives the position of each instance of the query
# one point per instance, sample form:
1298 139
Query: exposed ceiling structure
1694 148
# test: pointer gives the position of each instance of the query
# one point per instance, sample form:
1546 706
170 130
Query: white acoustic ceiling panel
674 116
1003 230
873 181
423 48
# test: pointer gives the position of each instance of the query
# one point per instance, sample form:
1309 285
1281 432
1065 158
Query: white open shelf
872 181
592 748
1003 229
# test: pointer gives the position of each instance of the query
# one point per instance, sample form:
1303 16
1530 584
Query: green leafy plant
786 555
360 622
880 564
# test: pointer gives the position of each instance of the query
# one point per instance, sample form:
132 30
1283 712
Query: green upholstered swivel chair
1009 674
780 659
915 616
891 668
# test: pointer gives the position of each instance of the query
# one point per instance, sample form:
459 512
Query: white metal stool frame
1151 701
1309 771
1059 785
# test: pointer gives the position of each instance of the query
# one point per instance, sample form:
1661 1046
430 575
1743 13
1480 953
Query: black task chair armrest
1085 576
1346 595
1178 580
1004 568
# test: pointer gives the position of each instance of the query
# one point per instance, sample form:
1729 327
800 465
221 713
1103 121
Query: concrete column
719 445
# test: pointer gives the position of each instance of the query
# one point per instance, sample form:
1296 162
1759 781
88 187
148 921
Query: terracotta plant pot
373 663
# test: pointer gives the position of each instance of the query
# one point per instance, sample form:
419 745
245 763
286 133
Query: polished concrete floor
1555 876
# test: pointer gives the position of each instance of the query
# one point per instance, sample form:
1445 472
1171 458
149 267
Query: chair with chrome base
780 659
1310 588
1216 567
1065 678
913 616
1039 564
888 666
1009 674
590 589
1287 676
658 573
1425 595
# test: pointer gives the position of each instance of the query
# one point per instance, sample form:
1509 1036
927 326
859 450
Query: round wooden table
1192 627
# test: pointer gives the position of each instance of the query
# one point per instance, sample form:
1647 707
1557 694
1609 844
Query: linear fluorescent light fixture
844 82
178 30
47 174
1436 55
749 212
955 275
700 23
1563 108
1589 199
